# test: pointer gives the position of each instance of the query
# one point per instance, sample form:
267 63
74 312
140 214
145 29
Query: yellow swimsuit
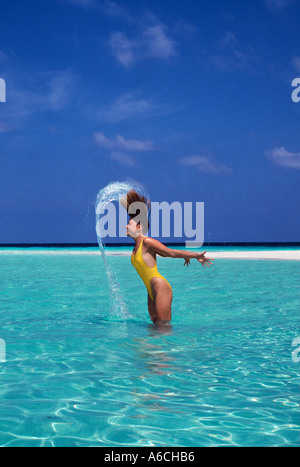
145 272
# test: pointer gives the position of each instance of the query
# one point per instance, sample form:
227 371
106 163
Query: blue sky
191 99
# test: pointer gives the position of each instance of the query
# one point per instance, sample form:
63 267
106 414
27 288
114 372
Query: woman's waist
148 273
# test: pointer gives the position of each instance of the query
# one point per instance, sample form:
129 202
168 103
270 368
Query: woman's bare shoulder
151 242
157 247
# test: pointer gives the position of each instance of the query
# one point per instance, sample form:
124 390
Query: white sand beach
274 254
290 255
271 255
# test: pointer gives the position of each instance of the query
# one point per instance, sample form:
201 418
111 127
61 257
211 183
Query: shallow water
77 375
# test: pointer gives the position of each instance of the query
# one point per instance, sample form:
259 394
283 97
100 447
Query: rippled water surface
77 375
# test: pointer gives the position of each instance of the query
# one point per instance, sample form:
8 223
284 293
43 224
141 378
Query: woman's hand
201 258
204 260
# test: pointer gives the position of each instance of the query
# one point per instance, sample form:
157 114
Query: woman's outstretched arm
160 249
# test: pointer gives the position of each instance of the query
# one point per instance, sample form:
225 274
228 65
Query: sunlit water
76 375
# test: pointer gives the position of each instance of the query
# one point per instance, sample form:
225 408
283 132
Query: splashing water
108 194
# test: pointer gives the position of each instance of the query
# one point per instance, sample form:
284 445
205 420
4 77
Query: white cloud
59 90
283 158
123 158
229 54
131 105
156 43
123 49
229 40
119 147
39 92
114 10
204 164
149 38
121 143
150 42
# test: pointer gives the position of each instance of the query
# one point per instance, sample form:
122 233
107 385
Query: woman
143 258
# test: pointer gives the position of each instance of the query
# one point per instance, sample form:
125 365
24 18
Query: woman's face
132 229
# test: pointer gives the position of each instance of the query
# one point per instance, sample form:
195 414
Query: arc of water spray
110 193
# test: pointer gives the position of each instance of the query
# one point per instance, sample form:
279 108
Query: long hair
132 197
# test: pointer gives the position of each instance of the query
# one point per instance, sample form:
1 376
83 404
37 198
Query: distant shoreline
237 251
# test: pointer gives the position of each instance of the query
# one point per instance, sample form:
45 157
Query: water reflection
158 330
154 351
155 388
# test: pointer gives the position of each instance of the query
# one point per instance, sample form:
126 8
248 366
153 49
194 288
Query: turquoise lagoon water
78 374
